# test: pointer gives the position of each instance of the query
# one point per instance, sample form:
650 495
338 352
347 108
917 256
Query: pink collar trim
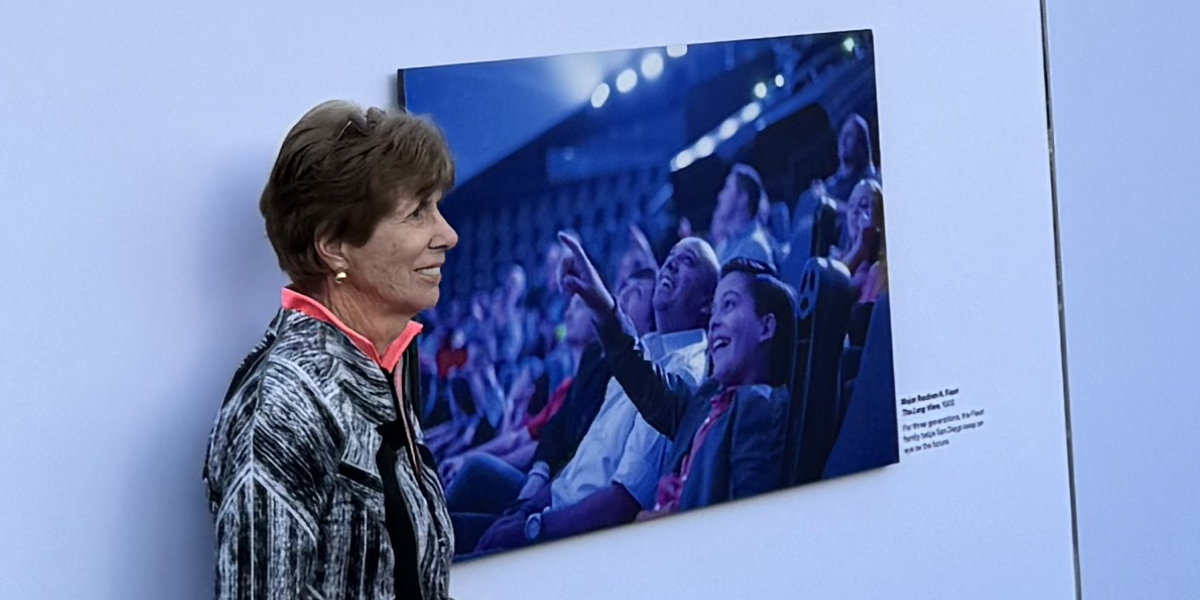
293 300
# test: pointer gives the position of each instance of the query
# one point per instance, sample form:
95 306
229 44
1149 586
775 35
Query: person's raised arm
660 396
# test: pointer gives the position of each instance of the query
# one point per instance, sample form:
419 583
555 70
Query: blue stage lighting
652 66
626 80
600 96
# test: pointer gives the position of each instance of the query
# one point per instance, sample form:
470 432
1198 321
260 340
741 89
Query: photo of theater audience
669 294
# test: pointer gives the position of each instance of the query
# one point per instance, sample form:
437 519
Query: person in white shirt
613 475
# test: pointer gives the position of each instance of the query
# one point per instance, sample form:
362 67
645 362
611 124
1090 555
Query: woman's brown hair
340 171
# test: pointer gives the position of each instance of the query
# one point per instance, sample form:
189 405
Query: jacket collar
293 300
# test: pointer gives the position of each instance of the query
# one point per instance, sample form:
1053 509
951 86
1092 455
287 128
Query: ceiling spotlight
849 44
705 147
751 112
626 80
760 90
728 128
652 66
600 96
779 81
683 160
677 51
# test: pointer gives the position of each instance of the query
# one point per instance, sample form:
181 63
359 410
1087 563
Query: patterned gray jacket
316 489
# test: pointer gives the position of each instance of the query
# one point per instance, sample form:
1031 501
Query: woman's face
401 264
859 211
737 336
851 145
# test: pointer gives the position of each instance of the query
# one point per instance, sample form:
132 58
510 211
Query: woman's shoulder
273 382
285 362
271 401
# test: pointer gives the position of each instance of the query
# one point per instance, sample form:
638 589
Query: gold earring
340 277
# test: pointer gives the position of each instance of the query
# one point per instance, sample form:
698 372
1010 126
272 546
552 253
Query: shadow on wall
169 538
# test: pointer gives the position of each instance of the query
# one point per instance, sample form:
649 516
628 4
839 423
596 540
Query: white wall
1126 87
136 137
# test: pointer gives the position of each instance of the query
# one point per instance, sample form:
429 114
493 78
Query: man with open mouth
613 475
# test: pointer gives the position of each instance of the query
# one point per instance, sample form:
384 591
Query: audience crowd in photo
576 396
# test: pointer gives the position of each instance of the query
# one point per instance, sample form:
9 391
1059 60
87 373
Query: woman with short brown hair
317 477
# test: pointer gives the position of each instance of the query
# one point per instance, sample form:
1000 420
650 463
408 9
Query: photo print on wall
670 289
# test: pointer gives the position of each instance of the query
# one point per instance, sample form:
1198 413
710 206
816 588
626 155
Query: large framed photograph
670 289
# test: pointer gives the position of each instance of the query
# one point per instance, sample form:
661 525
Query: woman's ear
766 331
332 253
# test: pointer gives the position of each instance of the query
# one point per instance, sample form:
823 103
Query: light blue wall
135 138
1126 85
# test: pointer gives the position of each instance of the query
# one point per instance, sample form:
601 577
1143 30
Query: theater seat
825 297
860 321
851 360
868 438
811 238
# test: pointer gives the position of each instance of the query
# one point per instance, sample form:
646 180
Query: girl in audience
866 252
